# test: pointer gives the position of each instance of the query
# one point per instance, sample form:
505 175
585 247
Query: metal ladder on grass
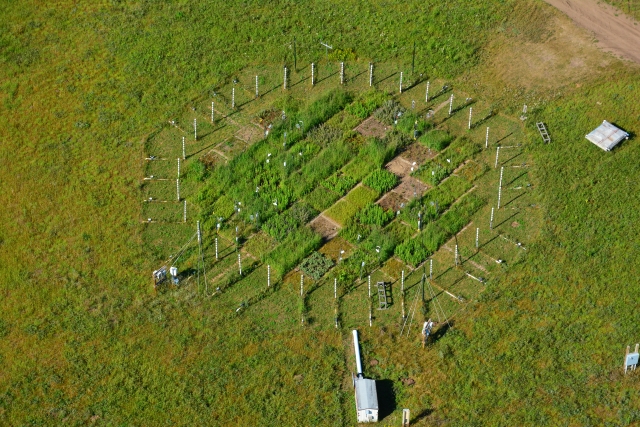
382 296
543 132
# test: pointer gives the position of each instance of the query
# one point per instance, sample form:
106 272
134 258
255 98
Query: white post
426 98
431 269
212 112
184 151
402 282
178 188
356 349
450 104
178 167
216 248
301 284
400 81
370 315
257 92
477 237
501 172
335 288
284 85
313 74
370 74
456 255
195 130
239 264
499 196
491 221
497 154
198 232
470 112
486 140
268 276
233 97
369 286
342 73
185 211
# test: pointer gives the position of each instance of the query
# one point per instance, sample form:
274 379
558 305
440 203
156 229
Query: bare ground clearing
372 127
616 32
325 227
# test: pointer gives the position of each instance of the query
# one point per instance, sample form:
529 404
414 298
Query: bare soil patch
392 201
372 127
418 153
325 227
399 166
616 32
411 187
249 134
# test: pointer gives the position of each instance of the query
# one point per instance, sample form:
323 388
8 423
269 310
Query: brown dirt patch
399 166
212 159
372 127
325 227
392 201
249 134
616 32
409 186
418 153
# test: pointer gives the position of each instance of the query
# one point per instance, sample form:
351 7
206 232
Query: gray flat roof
366 395
607 136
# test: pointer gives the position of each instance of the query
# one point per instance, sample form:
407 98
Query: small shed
607 136
366 400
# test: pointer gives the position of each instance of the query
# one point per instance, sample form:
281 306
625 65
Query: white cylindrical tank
357 350
173 271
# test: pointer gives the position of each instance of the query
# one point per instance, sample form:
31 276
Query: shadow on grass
423 414
442 330
514 199
327 77
511 216
386 398
516 178
503 138
385 78
513 157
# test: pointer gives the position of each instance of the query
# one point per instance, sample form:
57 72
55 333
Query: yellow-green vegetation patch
346 208
260 244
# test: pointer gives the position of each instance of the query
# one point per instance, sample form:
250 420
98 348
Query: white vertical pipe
356 348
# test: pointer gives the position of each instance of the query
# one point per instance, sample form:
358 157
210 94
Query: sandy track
619 34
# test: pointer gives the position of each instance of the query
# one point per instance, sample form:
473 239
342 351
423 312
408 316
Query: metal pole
257 92
486 141
404 314
195 130
185 211
233 97
268 276
451 104
216 248
178 188
477 238
400 81
212 110
470 112
335 288
456 255
370 74
426 98
369 286
184 151
497 154
301 284
178 167
499 196
313 74
342 73
431 269
198 232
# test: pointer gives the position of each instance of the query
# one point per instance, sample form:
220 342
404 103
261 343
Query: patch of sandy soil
249 134
325 227
411 187
372 127
418 153
392 201
615 31
399 167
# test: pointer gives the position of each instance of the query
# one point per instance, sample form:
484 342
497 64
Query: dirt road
615 32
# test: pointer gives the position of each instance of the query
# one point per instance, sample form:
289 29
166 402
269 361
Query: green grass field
88 91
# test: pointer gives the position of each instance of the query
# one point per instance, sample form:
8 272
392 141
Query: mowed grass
86 89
